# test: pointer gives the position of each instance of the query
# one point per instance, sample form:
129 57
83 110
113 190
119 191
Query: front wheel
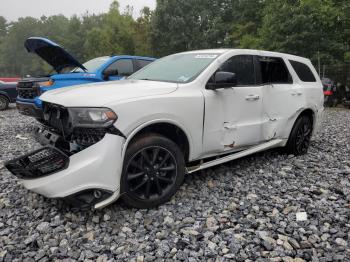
4 103
153 170
299 139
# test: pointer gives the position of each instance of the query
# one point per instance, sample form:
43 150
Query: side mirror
110 72
222 79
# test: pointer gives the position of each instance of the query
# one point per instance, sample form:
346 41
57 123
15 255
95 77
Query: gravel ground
244 211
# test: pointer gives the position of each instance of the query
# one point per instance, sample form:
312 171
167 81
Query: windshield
92 65
178 68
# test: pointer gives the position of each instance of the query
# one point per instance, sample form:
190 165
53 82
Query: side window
123 66
303 71
274 71
243 67
141 64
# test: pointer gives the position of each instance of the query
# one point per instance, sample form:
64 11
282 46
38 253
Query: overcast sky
13 9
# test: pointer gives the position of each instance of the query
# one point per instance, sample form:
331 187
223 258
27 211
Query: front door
233 116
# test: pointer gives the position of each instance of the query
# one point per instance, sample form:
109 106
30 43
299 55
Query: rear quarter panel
312 95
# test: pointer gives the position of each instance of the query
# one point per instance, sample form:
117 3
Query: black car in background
8 94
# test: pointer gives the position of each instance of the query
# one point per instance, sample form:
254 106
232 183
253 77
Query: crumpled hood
101 94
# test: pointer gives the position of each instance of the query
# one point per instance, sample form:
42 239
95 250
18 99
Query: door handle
252 97
297 93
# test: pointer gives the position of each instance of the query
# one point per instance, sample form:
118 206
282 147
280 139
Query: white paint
99 166
253 118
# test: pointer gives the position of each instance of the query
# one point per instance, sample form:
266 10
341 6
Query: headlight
47 83
92 117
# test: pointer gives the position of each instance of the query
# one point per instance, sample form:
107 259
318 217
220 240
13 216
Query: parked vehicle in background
344 95
330 93
136 138
8 94
70 72
346 101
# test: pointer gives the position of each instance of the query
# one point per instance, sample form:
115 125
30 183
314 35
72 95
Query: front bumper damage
87 177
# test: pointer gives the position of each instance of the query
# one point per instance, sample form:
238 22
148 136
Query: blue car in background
70 72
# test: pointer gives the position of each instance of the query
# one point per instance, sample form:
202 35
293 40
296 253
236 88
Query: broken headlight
92 117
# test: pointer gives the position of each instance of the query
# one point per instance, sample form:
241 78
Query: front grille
27 90
27 94
42 162
56 116
25 84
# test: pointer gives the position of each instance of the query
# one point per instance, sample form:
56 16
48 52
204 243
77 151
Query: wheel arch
308 112
167 128
305 111
2 93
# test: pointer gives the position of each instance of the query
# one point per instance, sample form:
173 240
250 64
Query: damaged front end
63 133
74 129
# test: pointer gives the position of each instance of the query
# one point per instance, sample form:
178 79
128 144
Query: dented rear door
282 97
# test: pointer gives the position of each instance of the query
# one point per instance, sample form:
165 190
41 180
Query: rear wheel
299 139
4 102
154 169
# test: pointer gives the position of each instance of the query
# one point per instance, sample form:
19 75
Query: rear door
281 96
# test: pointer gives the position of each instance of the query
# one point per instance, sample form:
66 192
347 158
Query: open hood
52 53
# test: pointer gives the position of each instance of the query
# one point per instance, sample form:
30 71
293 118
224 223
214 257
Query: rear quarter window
303 71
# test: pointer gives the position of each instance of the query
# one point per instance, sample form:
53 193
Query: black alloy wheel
300 137
303 137
153 171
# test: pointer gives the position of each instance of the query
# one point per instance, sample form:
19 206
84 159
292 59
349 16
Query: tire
153 170
335 103
299 139
4 103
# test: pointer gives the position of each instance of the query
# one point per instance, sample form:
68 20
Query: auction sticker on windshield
206 56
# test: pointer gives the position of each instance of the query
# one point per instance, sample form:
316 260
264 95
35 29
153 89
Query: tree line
317 29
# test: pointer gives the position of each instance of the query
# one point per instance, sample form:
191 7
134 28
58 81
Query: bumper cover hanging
39 163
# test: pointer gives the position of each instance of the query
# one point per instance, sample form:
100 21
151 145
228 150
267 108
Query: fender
6 95
156 121
116 195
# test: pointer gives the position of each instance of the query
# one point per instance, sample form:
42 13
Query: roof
249 51
211 51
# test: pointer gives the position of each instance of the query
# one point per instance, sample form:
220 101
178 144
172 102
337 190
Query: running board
252 150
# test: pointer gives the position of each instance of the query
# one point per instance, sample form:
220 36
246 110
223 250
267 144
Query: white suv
137 138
